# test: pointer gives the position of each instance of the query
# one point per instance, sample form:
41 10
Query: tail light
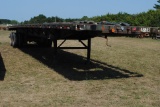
134 29
103 28
112 30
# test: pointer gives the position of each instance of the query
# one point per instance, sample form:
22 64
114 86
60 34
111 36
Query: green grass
125 74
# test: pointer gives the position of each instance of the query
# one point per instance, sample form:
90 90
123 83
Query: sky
22 10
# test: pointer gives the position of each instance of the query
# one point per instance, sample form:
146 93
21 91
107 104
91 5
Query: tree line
150 18
43 19
7 21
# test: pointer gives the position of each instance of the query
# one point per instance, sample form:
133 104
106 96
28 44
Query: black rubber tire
11 37
15 40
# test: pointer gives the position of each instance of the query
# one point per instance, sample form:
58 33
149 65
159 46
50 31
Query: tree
84 18
38 19
157 6
14 22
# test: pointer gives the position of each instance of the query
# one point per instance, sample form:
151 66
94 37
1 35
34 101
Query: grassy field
127 74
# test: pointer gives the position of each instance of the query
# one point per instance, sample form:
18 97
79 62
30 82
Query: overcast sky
21 10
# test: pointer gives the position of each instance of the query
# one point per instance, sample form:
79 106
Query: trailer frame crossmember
88 47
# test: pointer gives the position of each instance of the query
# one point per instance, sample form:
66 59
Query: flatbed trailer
45 34
48 33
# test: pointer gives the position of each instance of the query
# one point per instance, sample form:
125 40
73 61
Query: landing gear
86 46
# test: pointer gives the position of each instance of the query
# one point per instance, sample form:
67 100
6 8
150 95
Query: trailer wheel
11 37
14 40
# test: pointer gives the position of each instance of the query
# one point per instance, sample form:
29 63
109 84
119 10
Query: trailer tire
14 40
11 37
